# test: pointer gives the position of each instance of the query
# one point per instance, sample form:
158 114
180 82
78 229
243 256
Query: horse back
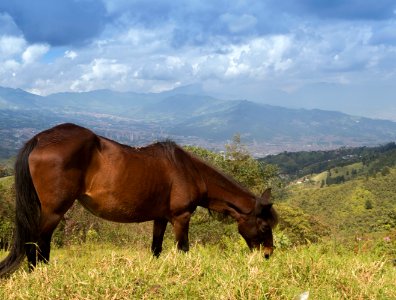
113 181
67 146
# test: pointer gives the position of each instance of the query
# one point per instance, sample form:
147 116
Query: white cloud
101 73
11 65
272 52
255 59
10 46
105 68
8 70
33 53
70 54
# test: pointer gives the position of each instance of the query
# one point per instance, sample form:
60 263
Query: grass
214 271
345 171
6 182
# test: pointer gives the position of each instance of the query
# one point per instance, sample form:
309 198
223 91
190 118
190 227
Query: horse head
256 227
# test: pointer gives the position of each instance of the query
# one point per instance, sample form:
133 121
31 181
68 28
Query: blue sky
328 54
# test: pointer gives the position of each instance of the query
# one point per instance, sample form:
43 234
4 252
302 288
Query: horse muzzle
267 251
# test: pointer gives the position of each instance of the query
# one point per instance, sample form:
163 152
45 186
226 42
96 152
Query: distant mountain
193 118
99 101
18 99
274 124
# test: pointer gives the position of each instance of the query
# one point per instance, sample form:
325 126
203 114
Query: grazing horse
160 182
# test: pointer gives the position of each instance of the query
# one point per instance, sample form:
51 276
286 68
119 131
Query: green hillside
359 160
346 172
6 196
361 205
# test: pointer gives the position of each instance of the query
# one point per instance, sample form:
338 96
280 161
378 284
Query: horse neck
224 194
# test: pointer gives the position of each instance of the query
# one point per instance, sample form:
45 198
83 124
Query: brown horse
160 182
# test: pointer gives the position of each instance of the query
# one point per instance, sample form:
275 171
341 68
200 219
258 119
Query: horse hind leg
49 220
158 236
40 251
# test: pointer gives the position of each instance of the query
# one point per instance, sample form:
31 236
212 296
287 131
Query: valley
188 118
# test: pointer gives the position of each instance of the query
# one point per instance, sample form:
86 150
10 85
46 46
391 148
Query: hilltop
343 192
368 160
358 206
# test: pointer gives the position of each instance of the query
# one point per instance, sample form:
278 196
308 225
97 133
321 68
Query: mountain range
188 117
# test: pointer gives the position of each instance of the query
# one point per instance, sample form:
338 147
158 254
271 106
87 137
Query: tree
5 171
238 163
368 204
385 171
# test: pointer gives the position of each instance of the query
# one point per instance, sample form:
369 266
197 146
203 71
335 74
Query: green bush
300 227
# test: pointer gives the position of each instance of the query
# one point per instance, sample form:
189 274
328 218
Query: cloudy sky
330 54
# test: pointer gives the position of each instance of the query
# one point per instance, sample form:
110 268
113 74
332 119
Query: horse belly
124 209
124 187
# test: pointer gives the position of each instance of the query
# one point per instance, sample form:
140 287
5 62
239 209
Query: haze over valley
188 118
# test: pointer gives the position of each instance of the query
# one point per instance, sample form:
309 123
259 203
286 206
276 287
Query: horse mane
177 155
200 162
168 147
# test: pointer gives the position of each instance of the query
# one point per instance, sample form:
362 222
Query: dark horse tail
27 212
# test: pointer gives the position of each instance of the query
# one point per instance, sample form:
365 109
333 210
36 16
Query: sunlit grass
345 171
105 271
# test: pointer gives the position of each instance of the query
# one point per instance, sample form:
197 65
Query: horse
160 182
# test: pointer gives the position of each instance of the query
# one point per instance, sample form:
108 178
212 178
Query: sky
327 54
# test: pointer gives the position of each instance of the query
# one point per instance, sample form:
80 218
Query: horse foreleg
180 228
158 236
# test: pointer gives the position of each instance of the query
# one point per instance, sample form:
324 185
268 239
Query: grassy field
346 171
355 259
5 182
219 271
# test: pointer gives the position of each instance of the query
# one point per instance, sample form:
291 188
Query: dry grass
104 271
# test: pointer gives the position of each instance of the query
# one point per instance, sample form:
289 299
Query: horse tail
27 212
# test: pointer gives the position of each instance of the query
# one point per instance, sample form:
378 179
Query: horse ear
263 209
268 206
266 196
263 203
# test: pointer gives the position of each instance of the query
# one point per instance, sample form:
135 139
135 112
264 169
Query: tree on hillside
247 170
385 171
238 163
5 171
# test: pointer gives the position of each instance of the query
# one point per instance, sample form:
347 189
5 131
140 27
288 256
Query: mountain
189 118
17 99
271 123
99 101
